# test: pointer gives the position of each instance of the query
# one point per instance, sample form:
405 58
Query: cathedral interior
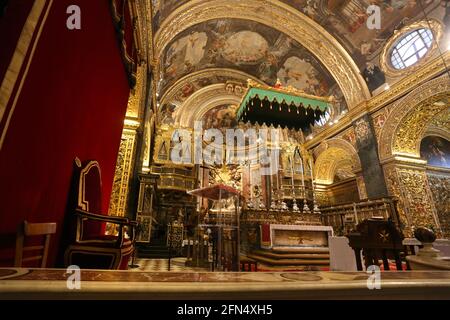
241 148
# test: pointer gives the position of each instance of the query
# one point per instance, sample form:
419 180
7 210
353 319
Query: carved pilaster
124 169
368 155
439 182
408 182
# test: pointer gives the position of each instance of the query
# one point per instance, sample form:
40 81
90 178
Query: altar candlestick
303 173
292 173
250 179
295 208
356 214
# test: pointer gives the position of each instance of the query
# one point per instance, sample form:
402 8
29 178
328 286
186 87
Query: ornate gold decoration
204 100
410 132
439 125
234 75
124 166
440 190
349 135
287 90
278 16
411 186
385 57
135 100
337 154
362 130
396 135
422 76
379 119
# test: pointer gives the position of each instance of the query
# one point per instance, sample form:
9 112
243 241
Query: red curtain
72 103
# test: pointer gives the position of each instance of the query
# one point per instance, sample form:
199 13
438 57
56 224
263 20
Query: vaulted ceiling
319 46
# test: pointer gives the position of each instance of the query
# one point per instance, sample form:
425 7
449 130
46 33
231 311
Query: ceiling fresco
162 9
268 55
250 47
221 117
346 21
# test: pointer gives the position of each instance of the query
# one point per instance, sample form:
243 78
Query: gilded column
124 169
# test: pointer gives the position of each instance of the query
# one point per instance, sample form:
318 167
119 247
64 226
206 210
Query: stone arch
410 117
234 76
330 156
204 100
439 126
281 17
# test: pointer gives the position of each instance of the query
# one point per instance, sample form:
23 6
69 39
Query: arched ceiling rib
192 82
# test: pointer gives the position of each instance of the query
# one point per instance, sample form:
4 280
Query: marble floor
17 283
162 265
179 265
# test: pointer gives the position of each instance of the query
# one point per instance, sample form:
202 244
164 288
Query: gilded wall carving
330 156
379 119
349 135
124 165
361 187
410 131
420 78
205 99
439 125
181 90
395 135
283 18
134 108
440 189
416 207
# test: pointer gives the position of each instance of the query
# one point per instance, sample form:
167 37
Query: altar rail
348 215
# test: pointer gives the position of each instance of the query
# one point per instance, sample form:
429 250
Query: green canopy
285 107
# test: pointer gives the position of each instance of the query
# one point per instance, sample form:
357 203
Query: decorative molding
204 100
411 82
416 207
410 116
281 17
439 125
386 98
122 175
234 75
330 155
385 63
440 189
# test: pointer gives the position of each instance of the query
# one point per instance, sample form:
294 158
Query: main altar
281 223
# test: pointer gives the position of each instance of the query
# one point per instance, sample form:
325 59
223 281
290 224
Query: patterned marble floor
161 265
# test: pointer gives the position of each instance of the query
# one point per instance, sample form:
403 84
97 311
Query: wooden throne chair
88 246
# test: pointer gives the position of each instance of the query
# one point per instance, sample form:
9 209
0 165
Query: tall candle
312 175
249 180
303 173
292 175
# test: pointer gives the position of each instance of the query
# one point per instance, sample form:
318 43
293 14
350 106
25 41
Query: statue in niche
374 76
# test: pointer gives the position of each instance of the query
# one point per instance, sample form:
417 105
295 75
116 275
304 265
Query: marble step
284 250
288 255
290 262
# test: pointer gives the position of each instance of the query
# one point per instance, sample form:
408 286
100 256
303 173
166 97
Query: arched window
324 118
410 48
